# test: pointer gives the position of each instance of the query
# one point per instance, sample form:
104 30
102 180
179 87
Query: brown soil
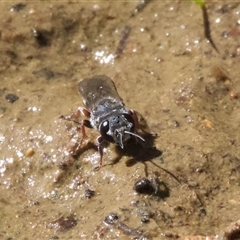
164 68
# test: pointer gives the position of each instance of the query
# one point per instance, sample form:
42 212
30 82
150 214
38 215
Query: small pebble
207 123
29 152
233 95
11 98
111 218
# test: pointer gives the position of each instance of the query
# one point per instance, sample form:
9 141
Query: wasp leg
85 123
100 141
84 112
76 148
75 115
135 118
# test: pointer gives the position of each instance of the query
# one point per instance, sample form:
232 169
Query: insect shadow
140 151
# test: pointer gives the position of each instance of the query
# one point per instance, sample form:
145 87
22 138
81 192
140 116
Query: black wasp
106 112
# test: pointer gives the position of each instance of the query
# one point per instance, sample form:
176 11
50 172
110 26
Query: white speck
34 109
104 58
96 7
2 166
49 139
82 46
109 175
19 154
31 181
9 160
218 20
2 138
31 11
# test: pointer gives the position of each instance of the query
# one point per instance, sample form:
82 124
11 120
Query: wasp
106 112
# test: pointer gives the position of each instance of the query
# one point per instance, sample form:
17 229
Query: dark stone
45 73
18 7
64 224
111 218
89 193
42 37
144 186
11 98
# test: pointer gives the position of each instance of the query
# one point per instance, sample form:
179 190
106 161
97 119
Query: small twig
122 43
207 30
140 6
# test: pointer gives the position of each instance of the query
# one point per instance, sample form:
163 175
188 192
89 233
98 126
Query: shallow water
167 71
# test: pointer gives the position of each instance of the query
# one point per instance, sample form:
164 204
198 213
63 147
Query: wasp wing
96 89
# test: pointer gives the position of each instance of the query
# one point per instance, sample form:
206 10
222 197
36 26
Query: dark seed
176 124
18 7
62 165
42 37
145 220
89 193
144 186
203 211
36 203
11 97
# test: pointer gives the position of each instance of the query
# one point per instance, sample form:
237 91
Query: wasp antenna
135 135
121 141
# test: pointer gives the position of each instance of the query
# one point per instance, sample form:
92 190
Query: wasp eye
104 128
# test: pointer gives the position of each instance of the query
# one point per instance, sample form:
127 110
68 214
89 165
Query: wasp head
118 129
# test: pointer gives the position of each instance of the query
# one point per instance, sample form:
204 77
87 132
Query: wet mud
183 184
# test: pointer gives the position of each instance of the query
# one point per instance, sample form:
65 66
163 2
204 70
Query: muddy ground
163 67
